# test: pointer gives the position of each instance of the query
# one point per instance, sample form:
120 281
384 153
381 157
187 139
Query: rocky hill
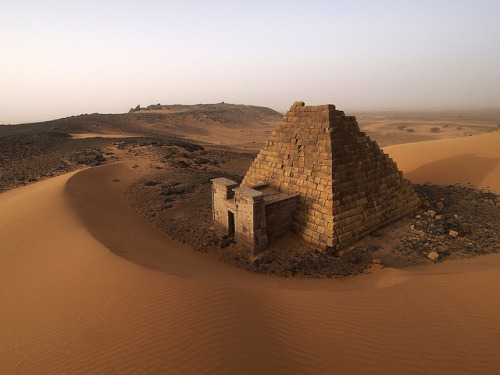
187 121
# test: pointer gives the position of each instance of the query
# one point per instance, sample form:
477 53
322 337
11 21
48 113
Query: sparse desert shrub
410 130
435 130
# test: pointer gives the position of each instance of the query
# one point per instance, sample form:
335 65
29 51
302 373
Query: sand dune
474 160
71 305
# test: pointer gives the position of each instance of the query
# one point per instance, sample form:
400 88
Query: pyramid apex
300 106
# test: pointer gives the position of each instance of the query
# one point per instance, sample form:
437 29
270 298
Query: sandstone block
433 256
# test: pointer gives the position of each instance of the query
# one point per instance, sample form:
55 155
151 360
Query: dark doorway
230 226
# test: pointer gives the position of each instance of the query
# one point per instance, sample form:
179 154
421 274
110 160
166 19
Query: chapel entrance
230 220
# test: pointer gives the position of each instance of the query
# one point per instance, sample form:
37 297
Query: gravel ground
31 157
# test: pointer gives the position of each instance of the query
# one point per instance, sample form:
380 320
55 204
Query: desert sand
470 160
71 305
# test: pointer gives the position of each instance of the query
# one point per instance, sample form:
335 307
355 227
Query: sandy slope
474 160
69 305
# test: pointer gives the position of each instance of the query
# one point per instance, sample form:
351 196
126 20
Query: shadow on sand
464 169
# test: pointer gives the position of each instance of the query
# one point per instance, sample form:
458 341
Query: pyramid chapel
318 176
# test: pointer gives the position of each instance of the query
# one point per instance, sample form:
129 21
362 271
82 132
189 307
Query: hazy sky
62 58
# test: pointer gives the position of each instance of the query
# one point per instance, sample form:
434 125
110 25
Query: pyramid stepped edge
348 187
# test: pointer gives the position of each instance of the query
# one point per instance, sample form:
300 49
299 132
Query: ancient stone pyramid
348 187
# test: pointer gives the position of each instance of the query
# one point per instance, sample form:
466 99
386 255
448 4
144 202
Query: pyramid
348 187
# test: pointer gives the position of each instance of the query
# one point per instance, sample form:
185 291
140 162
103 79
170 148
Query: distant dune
470 160
69 305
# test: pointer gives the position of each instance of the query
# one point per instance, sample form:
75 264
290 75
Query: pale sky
64 57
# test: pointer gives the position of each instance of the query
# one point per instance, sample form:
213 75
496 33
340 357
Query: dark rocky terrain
32 156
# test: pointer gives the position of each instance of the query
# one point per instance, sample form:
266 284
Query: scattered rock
431 213
191 147
116 180
179 164
433 256
439 205
92 158
173 183
201 161
151 183
178 190
453 233
169 190
225 242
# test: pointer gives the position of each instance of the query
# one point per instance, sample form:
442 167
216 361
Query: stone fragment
453 233
439 205
225 242
439 217
431 213
433 256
